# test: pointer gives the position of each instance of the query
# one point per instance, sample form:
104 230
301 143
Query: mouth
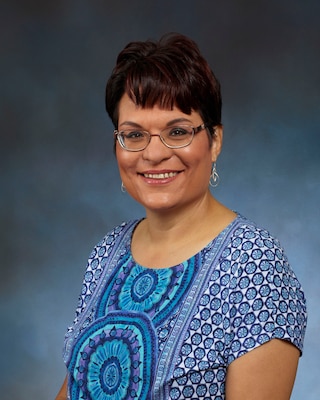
164 175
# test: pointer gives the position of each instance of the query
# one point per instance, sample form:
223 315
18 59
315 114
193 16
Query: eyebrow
169 123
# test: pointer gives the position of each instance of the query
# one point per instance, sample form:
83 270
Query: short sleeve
266 300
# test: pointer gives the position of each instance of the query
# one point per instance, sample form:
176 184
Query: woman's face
160 178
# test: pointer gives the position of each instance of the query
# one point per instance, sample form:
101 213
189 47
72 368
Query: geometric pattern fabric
171 333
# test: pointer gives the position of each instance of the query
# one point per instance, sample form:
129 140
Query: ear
217 143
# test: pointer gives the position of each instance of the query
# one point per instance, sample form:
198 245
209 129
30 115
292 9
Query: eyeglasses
173 137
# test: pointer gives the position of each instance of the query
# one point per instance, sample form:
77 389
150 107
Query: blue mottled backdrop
60 188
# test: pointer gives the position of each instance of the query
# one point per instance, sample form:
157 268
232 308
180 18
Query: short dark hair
169 72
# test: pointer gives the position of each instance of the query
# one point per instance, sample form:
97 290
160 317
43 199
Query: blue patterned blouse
143 333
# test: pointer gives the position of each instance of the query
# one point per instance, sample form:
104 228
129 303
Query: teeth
161 176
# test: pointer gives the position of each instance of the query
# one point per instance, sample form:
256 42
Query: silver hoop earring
214 177
123 188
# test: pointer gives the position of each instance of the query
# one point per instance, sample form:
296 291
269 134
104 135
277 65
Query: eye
178 131
133 135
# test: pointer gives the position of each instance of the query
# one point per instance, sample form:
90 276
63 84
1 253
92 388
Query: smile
164 175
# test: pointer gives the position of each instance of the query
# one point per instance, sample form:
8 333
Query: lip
159 176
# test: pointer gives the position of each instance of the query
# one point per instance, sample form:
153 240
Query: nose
156 150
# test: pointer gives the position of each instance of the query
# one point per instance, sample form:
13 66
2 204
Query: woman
193 301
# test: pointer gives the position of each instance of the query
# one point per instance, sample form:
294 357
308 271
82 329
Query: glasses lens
177 136
173 137
134 140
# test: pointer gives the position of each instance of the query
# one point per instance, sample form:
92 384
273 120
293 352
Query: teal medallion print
156 292
115 358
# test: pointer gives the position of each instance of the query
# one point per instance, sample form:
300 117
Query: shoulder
116 232
253 252
103 247
250 242
264 294
115 241
250 231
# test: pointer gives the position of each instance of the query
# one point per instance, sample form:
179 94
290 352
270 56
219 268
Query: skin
267 372
178 206
62 395
182 217
192 163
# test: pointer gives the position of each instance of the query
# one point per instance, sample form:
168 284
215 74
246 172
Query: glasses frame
117 135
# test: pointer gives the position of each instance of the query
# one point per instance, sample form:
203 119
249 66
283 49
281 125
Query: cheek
200 156
126 161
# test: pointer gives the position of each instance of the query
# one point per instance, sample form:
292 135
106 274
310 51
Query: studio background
60 187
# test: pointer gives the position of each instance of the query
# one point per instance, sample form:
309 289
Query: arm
267 372
62 395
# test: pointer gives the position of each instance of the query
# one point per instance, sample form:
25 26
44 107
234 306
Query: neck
168 225
168 238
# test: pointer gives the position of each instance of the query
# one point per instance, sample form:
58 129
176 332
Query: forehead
130 113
